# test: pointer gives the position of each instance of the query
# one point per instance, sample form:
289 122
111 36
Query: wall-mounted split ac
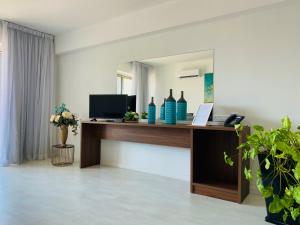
189 73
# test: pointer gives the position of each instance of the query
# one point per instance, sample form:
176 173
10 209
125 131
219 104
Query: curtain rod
27 27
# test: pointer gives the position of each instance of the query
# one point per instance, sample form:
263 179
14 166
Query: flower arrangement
63 118
131 117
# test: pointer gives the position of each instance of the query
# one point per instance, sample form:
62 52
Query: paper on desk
202 114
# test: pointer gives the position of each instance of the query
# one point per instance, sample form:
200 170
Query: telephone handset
233 119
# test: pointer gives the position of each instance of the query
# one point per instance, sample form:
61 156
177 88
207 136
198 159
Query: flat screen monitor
131 103
107 106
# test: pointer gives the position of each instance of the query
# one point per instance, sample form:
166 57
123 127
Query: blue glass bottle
170 107
181 108
151 112
162 111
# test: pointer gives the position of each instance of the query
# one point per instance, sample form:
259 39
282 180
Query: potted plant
63 118
131 117
144 117
278 179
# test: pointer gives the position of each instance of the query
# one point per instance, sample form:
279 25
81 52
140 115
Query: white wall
256 69
165 161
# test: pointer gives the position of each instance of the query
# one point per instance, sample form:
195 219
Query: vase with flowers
64 119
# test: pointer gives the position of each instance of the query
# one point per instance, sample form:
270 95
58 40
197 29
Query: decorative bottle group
170 110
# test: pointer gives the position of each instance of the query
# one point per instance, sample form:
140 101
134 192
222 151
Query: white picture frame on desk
202 114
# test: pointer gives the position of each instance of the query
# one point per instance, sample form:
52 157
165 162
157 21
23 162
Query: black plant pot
275 218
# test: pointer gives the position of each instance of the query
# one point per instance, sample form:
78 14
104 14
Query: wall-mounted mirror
191 73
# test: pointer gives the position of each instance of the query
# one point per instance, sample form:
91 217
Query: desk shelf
209 174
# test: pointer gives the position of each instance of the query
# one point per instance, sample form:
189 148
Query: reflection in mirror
191 73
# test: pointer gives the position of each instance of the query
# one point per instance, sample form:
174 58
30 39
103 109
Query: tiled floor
37 193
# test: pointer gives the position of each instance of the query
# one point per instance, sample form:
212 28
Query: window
124 83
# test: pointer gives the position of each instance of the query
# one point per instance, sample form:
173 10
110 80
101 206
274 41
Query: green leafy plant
144 115
63 117
131 116
280 149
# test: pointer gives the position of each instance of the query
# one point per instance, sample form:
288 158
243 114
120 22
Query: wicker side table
62 155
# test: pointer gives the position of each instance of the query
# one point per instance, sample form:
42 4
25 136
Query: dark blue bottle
151 112
170 107
181 108
162 111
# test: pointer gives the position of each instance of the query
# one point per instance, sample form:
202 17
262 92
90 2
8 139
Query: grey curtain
26 94
140 85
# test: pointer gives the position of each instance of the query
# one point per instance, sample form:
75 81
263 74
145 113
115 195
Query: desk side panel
90 145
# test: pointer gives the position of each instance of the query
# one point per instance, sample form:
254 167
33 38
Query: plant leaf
286 123
242 146
248 174
253 153
266 192
297 171
288 191
295 213
281 156
267 165
258 128
245 154
275 206
287 201
258 173
237 126
227 159
285 216
296 194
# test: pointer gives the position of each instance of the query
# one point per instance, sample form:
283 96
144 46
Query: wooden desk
209 174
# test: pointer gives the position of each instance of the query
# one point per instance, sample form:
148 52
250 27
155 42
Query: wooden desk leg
191 160
90 146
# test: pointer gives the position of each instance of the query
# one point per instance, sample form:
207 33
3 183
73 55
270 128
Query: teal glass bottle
170 108
181 108
151 112
162 111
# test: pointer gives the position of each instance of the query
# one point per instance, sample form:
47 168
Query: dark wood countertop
162 125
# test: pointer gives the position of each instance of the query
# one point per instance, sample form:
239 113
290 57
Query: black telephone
233 119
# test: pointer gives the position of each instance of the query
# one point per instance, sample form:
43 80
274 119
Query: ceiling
58 16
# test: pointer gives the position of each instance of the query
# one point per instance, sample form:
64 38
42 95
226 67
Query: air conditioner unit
189 73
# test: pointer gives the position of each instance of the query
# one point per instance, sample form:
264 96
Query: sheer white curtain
25 94
140 85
